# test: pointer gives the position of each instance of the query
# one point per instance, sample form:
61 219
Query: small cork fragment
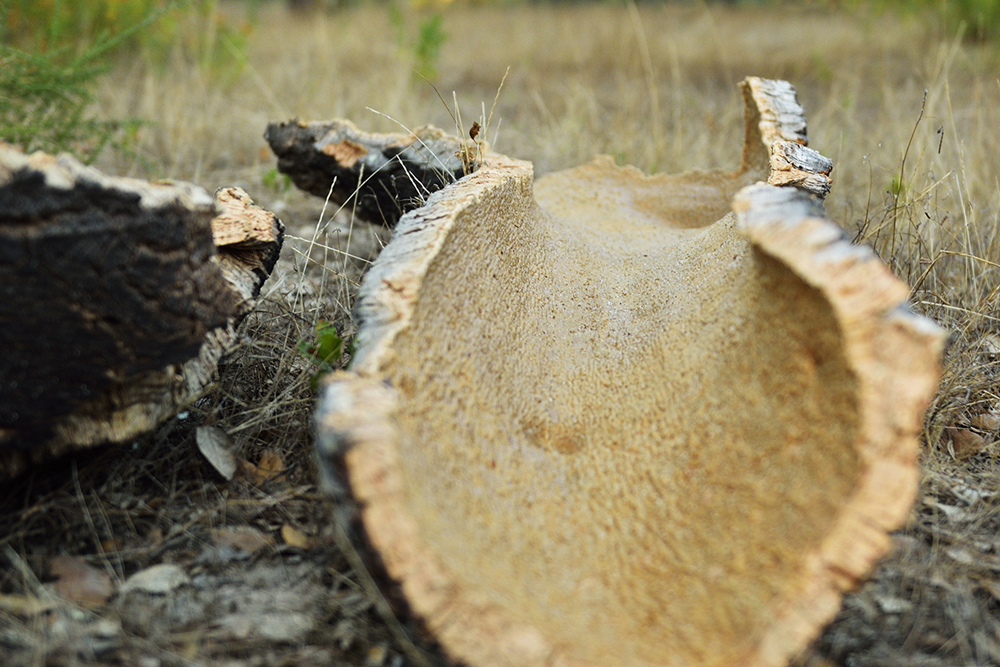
242 222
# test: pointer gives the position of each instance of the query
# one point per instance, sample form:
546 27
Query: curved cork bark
614 419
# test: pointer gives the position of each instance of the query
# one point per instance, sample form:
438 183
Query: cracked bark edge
776 136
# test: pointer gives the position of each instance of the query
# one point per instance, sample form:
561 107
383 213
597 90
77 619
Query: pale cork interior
618 421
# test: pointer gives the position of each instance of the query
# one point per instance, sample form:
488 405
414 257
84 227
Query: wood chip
243 223
216 446
345 152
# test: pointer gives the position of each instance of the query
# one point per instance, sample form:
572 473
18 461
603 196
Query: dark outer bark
96 289
118 297
392 173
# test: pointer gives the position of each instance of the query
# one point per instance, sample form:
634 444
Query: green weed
46 93
323 351
425 45
276 181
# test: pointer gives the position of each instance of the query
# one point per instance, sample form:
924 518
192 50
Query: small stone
894 605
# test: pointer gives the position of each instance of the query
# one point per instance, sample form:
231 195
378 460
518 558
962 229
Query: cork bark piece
380 176
613 419
119 297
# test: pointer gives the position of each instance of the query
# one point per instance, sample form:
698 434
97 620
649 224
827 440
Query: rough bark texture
116 301
596 419
391 173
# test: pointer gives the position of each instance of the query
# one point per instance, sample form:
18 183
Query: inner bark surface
620 421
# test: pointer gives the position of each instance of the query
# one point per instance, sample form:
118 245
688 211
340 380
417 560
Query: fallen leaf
80 581
953 513
158 579
26 606
271 462
294 537
988 421
270 467
965 443
285 626
990 345
247 539
216 446
960 555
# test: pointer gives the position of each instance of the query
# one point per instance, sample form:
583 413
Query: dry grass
652 85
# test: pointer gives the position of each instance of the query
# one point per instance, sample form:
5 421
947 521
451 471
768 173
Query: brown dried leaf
216 446
992 587
155 537
271 462
246 539
294 537
270 467
376 656
966 443
80 581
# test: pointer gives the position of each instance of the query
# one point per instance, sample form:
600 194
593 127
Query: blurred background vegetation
52 52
